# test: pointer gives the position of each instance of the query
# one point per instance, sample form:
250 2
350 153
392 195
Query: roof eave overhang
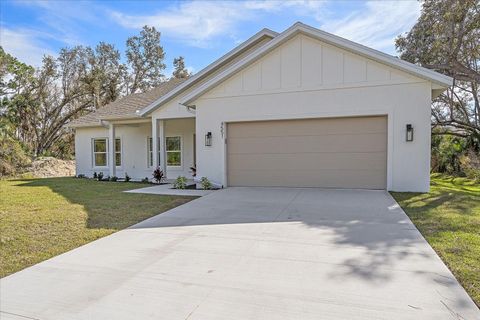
202 73
432 76
83 125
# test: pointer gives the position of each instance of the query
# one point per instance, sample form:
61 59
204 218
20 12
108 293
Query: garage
326 153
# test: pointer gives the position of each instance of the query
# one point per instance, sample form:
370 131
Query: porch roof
126 107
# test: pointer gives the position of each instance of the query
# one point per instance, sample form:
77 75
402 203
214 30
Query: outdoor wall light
208 139
409 136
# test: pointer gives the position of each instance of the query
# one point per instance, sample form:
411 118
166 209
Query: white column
155 143
161 147
111 150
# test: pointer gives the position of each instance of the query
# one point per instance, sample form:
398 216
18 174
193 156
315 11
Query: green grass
41 218
449 218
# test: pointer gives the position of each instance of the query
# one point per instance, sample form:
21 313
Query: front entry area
326 153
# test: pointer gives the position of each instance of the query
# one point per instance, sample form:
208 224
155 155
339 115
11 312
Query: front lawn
449 218
41 218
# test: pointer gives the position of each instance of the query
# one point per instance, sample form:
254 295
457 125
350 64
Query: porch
135 148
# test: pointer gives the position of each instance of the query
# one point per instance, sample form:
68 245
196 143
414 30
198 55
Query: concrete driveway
250 253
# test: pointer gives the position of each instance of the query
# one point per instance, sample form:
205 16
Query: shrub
206 184
95 175
145 180
158 175
127 177
81 176
180 183
470 165
13 158
446 152
114 178
100 176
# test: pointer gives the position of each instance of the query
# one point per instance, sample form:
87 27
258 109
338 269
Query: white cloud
66 21
191 22
378 25
25 45
198 22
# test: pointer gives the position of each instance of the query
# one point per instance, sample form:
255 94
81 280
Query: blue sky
201 31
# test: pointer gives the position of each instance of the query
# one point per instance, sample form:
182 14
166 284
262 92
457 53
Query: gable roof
211 67
126 107
440 80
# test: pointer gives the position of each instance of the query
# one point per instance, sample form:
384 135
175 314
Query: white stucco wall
305 78
134 148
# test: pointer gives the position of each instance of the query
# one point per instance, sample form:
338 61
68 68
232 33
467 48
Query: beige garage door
328 153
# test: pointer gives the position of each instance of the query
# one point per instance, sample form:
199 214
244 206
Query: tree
103 73
180 72
446 38
35 104
145 58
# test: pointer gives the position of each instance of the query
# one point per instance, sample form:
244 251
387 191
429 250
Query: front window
150 152
174 151
100 152
118 152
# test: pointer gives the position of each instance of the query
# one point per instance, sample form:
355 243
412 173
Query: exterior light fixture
208 139
409 136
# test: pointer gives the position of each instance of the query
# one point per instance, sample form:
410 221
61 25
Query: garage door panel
297 144
315 161
286 128
323 178
334 153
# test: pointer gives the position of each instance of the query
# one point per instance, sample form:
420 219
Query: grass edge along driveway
449 218
42 218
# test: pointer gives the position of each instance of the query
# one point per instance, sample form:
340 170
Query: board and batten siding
305 78
307 63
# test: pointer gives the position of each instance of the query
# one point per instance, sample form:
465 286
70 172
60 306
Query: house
303 108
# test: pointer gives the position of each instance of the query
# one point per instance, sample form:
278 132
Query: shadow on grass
107 206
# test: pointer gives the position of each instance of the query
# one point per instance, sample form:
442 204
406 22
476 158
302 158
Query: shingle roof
126 107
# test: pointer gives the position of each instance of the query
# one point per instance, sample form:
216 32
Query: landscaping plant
127 177
206 184
180 183
158 175
100 176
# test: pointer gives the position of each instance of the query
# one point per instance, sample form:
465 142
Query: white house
303 108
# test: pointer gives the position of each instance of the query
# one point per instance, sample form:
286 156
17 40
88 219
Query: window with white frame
100 152
118 152
150 152
173 148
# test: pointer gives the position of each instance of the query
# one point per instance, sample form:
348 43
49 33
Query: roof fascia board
199 75
326 37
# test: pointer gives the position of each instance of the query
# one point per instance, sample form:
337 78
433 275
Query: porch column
161 146
111 150
154 143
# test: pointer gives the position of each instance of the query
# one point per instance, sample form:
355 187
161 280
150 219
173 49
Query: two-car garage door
329 153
